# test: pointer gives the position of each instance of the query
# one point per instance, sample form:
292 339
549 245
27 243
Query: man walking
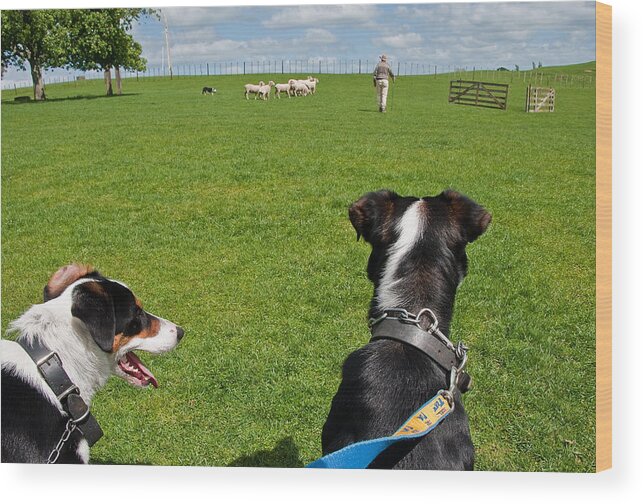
380 80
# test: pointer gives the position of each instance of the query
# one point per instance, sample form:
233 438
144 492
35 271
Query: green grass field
229 217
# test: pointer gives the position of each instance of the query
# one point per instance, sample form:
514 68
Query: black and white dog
418 259
93 324
208 90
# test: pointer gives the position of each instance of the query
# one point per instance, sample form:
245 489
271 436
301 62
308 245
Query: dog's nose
179 332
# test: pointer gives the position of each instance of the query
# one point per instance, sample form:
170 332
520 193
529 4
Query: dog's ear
94 306
370 213
63 278
473 218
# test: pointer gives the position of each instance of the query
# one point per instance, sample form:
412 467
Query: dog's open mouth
135 372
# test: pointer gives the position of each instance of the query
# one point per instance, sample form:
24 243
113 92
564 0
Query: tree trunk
38 83
119 87
108 81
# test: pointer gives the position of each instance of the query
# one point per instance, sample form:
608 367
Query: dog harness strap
51 369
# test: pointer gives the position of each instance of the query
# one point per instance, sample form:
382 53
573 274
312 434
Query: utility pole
167 43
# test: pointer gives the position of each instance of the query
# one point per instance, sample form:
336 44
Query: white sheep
282 88
264 91
312 83
298 88
253 89
291 87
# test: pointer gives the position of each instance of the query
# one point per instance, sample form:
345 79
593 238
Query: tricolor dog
66 349
208 90
417 262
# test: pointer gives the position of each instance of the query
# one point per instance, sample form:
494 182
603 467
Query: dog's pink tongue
146 373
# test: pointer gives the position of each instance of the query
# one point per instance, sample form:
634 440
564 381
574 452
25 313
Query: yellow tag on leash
359 455
426 417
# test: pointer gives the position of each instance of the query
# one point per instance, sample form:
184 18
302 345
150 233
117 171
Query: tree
37 37
99 40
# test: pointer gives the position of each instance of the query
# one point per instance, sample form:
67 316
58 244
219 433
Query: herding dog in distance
94 324
208 90
417 261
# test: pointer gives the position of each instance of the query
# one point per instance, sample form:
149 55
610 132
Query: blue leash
361 454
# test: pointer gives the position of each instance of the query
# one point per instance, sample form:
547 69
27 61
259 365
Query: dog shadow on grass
284 454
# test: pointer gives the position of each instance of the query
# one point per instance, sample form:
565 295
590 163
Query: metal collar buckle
52 359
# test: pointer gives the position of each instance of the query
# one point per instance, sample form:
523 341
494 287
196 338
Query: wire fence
289 67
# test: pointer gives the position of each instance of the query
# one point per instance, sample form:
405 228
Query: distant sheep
282 88
298 87
312 83
264 91
253 89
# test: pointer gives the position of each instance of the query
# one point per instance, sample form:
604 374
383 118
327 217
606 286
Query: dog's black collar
51 369
399 325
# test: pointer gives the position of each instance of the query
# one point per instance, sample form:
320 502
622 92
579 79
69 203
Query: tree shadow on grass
68 98
284 454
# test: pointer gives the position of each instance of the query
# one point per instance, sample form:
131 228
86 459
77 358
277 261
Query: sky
446 35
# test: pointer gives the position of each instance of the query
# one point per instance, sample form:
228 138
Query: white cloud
226 49
319 36
193 17
401 41
316 15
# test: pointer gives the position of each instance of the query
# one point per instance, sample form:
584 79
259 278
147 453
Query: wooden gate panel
479 94
540 99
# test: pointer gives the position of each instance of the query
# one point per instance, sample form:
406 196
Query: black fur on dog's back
32 425
385 381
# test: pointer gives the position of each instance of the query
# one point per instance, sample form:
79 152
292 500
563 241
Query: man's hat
383 57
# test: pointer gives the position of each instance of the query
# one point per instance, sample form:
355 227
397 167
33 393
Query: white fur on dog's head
418 246
94 324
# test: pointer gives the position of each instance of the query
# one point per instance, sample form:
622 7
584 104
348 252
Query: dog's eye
134 327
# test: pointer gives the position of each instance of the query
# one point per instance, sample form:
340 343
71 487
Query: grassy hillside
230 217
